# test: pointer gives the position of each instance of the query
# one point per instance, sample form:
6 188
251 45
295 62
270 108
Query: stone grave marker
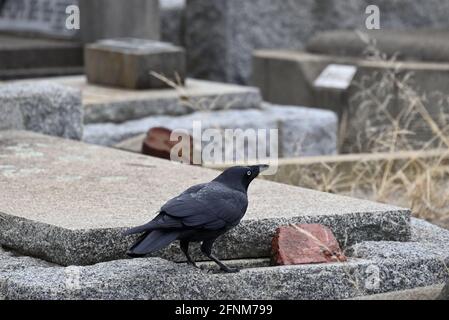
43 17
79 199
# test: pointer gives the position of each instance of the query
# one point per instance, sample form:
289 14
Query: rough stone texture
444 295
22 57
302 131
173 21
305 244
103 104
41 18
11 262
154 278
105 19
128 63
287 77
423 293
41 107
103 191
222 34
416 45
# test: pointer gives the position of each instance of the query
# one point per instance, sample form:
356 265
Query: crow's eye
249 173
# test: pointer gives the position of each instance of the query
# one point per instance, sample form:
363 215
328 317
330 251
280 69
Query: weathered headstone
106 19
417 45
98 188
135 64
302 131
42 17
289 77
109 104
43 107
222 35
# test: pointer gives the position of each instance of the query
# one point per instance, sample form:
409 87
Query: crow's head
240 177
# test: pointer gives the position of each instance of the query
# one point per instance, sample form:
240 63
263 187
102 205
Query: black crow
202 213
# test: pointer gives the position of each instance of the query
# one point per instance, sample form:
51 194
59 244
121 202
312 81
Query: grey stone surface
302 131
103 104
105 19
11 262
444 294
103 191
42 18
173 21
423 293
417 45
22 57
154 278
222 34
128 63
43 107
287 77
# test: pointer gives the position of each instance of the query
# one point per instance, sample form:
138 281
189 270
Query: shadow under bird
202 213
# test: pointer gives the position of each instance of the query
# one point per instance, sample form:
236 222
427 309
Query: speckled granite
155 278
67 202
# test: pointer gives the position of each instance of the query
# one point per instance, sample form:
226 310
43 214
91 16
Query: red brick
157 144
305 244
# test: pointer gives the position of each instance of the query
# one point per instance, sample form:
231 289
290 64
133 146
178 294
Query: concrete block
128 63
104 191
43 107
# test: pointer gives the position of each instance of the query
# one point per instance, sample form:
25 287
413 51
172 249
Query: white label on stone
336 76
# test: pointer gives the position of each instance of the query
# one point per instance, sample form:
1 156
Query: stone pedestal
130 62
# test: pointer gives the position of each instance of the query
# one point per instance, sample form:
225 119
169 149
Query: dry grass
388 114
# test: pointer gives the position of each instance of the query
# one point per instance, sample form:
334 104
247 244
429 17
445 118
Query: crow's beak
263 167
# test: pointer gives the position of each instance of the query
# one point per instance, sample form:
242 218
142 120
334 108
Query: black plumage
202 213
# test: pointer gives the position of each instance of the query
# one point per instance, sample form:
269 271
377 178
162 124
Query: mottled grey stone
105 19
444 295
107 104
104 191
302 131
43 107
128 63
173 21
11 262
221 35
417 45
154 278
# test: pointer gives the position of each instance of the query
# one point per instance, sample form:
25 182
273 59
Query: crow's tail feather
140 229
151 242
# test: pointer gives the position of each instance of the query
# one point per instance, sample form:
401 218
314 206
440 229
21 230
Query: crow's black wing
209 206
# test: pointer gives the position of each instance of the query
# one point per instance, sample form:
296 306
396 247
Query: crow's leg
206 248
185 248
